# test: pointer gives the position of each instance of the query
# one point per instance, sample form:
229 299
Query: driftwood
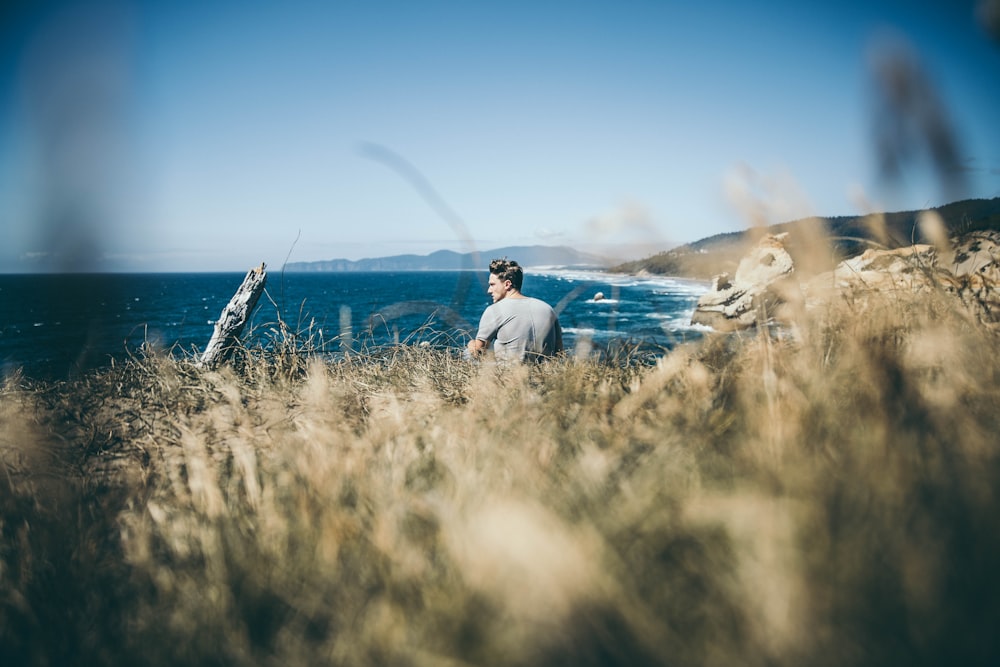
234 317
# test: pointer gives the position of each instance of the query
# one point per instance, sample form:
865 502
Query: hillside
445 260
850 235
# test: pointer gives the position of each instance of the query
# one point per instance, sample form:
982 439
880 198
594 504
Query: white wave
680 321
668 284
679 315
587 332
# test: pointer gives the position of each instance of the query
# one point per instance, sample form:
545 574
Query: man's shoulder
524 304
539 303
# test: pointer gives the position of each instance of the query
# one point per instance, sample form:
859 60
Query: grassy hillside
756 500
850 235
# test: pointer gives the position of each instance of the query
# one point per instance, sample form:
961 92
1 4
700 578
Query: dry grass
822 498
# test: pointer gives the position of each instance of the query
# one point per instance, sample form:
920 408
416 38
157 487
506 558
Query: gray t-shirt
520 329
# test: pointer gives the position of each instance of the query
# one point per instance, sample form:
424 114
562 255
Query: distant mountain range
702 259
445 260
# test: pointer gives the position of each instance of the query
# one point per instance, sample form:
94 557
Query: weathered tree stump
234 317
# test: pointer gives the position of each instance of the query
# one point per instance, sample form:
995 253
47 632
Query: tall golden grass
825 494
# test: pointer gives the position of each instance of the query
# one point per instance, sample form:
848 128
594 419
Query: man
521 328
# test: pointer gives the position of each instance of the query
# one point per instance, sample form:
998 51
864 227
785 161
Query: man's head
506 276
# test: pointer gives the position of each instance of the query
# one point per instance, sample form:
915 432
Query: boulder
913 269
733 302
972 253
975 260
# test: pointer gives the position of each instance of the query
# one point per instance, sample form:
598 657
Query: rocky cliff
768 286
846 236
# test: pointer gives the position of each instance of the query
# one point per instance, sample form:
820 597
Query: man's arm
488 327
476 347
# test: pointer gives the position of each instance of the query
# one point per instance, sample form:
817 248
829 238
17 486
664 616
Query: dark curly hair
508 269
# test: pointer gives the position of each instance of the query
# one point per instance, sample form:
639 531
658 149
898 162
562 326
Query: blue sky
215 135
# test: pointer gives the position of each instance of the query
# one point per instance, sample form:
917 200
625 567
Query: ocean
53 324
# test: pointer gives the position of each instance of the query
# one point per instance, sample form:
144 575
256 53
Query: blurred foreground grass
822 495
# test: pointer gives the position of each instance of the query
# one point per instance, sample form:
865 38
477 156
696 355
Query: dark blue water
51 325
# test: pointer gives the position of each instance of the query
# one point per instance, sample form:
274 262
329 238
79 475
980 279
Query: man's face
498 289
